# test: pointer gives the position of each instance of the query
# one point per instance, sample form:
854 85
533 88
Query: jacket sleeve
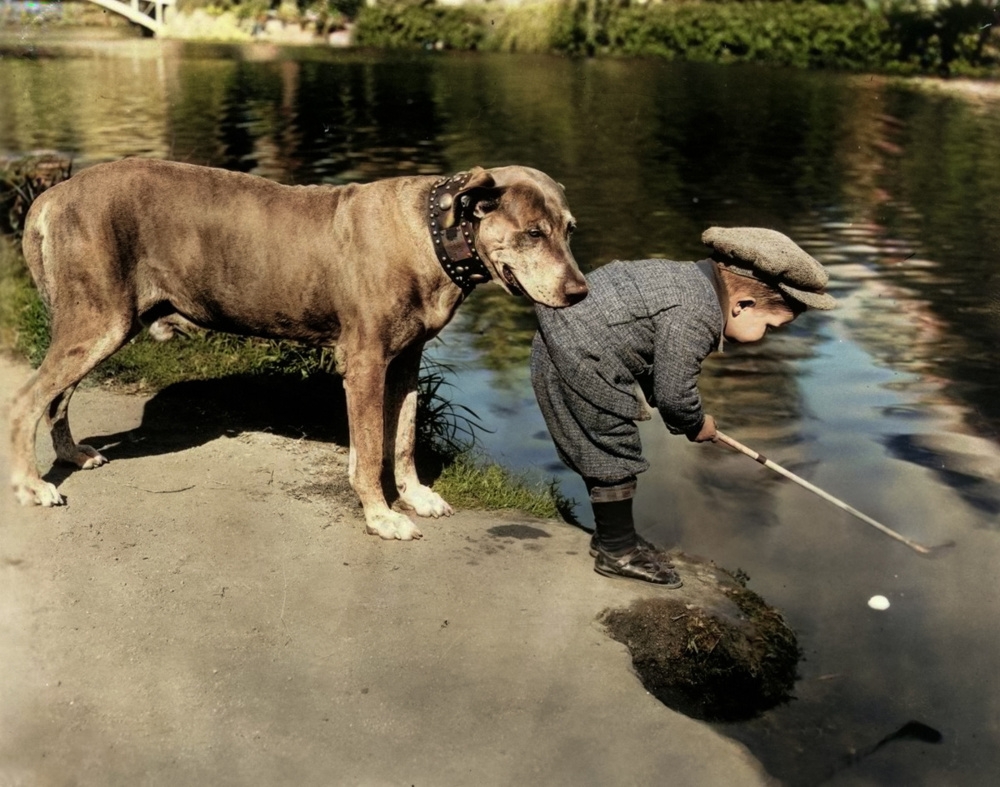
685 335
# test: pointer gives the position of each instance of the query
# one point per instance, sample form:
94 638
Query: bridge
151 14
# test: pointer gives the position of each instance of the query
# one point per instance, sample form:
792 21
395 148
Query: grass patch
24 322
148 365
473 481
144 364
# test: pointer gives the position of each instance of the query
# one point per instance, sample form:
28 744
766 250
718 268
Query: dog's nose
576 291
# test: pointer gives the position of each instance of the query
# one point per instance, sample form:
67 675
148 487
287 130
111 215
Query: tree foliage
897 36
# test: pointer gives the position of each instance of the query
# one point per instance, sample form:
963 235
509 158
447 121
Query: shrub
22 178
901 36
804 35
408 24
957 37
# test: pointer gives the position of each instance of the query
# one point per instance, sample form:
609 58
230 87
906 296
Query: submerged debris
718 662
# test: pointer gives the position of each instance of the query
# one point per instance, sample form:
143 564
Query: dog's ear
479 196
485 202
479 178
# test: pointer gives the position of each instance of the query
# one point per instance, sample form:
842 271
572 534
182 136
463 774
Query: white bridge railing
151 14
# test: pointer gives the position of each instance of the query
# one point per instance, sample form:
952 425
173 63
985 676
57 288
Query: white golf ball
878 602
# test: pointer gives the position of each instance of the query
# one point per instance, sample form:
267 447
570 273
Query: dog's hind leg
401 428
71 356
66 448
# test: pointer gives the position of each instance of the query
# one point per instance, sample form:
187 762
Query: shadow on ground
191 413
194 412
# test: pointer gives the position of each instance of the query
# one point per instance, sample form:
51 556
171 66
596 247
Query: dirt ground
207 610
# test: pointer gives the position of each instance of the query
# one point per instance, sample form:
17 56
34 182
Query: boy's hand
707 432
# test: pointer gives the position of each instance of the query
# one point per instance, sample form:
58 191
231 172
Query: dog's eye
534 232
570 228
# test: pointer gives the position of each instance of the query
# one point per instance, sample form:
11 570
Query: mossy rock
712 650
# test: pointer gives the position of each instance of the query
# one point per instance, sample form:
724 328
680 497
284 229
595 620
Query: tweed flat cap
774 259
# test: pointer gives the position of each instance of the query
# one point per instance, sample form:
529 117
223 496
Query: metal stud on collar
455 246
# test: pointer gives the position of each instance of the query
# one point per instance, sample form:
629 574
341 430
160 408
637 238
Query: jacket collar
711 271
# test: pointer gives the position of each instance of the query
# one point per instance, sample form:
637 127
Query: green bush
408 24
803 35
898 36
22 178
957 37
901 36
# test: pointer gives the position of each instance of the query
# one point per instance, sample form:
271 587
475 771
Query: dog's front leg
401 430
364 383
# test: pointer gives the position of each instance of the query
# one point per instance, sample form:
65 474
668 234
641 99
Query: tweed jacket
650 322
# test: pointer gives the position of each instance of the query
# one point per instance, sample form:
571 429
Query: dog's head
524 230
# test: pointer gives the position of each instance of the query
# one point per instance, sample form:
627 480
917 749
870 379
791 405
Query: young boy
652 323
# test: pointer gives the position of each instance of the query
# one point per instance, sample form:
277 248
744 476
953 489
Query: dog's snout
576 291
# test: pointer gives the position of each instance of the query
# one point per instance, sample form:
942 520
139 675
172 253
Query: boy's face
747 321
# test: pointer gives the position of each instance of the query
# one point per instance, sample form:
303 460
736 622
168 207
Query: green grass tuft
472 481
24 322
150 365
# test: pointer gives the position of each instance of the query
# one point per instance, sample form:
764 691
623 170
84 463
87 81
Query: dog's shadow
189 414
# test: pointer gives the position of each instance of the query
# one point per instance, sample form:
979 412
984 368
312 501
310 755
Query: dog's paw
90 458
38 493
84 457
425 502
392 526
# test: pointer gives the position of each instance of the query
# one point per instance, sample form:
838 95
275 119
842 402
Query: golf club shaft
735 444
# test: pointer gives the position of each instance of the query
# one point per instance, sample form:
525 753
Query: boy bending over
652 323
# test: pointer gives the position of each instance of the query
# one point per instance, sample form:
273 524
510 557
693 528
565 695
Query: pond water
890 403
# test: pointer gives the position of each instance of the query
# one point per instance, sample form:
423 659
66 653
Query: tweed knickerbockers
595 443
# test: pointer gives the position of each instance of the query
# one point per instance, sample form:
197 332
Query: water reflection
889 403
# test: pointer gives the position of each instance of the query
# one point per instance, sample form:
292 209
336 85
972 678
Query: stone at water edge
712 649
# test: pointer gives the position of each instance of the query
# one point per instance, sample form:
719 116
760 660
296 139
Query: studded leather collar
455 241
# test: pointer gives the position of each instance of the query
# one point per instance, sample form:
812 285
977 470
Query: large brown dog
375 270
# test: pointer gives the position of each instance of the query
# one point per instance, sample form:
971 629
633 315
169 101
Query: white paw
425 502
82 456
88 458
37 493
390 525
